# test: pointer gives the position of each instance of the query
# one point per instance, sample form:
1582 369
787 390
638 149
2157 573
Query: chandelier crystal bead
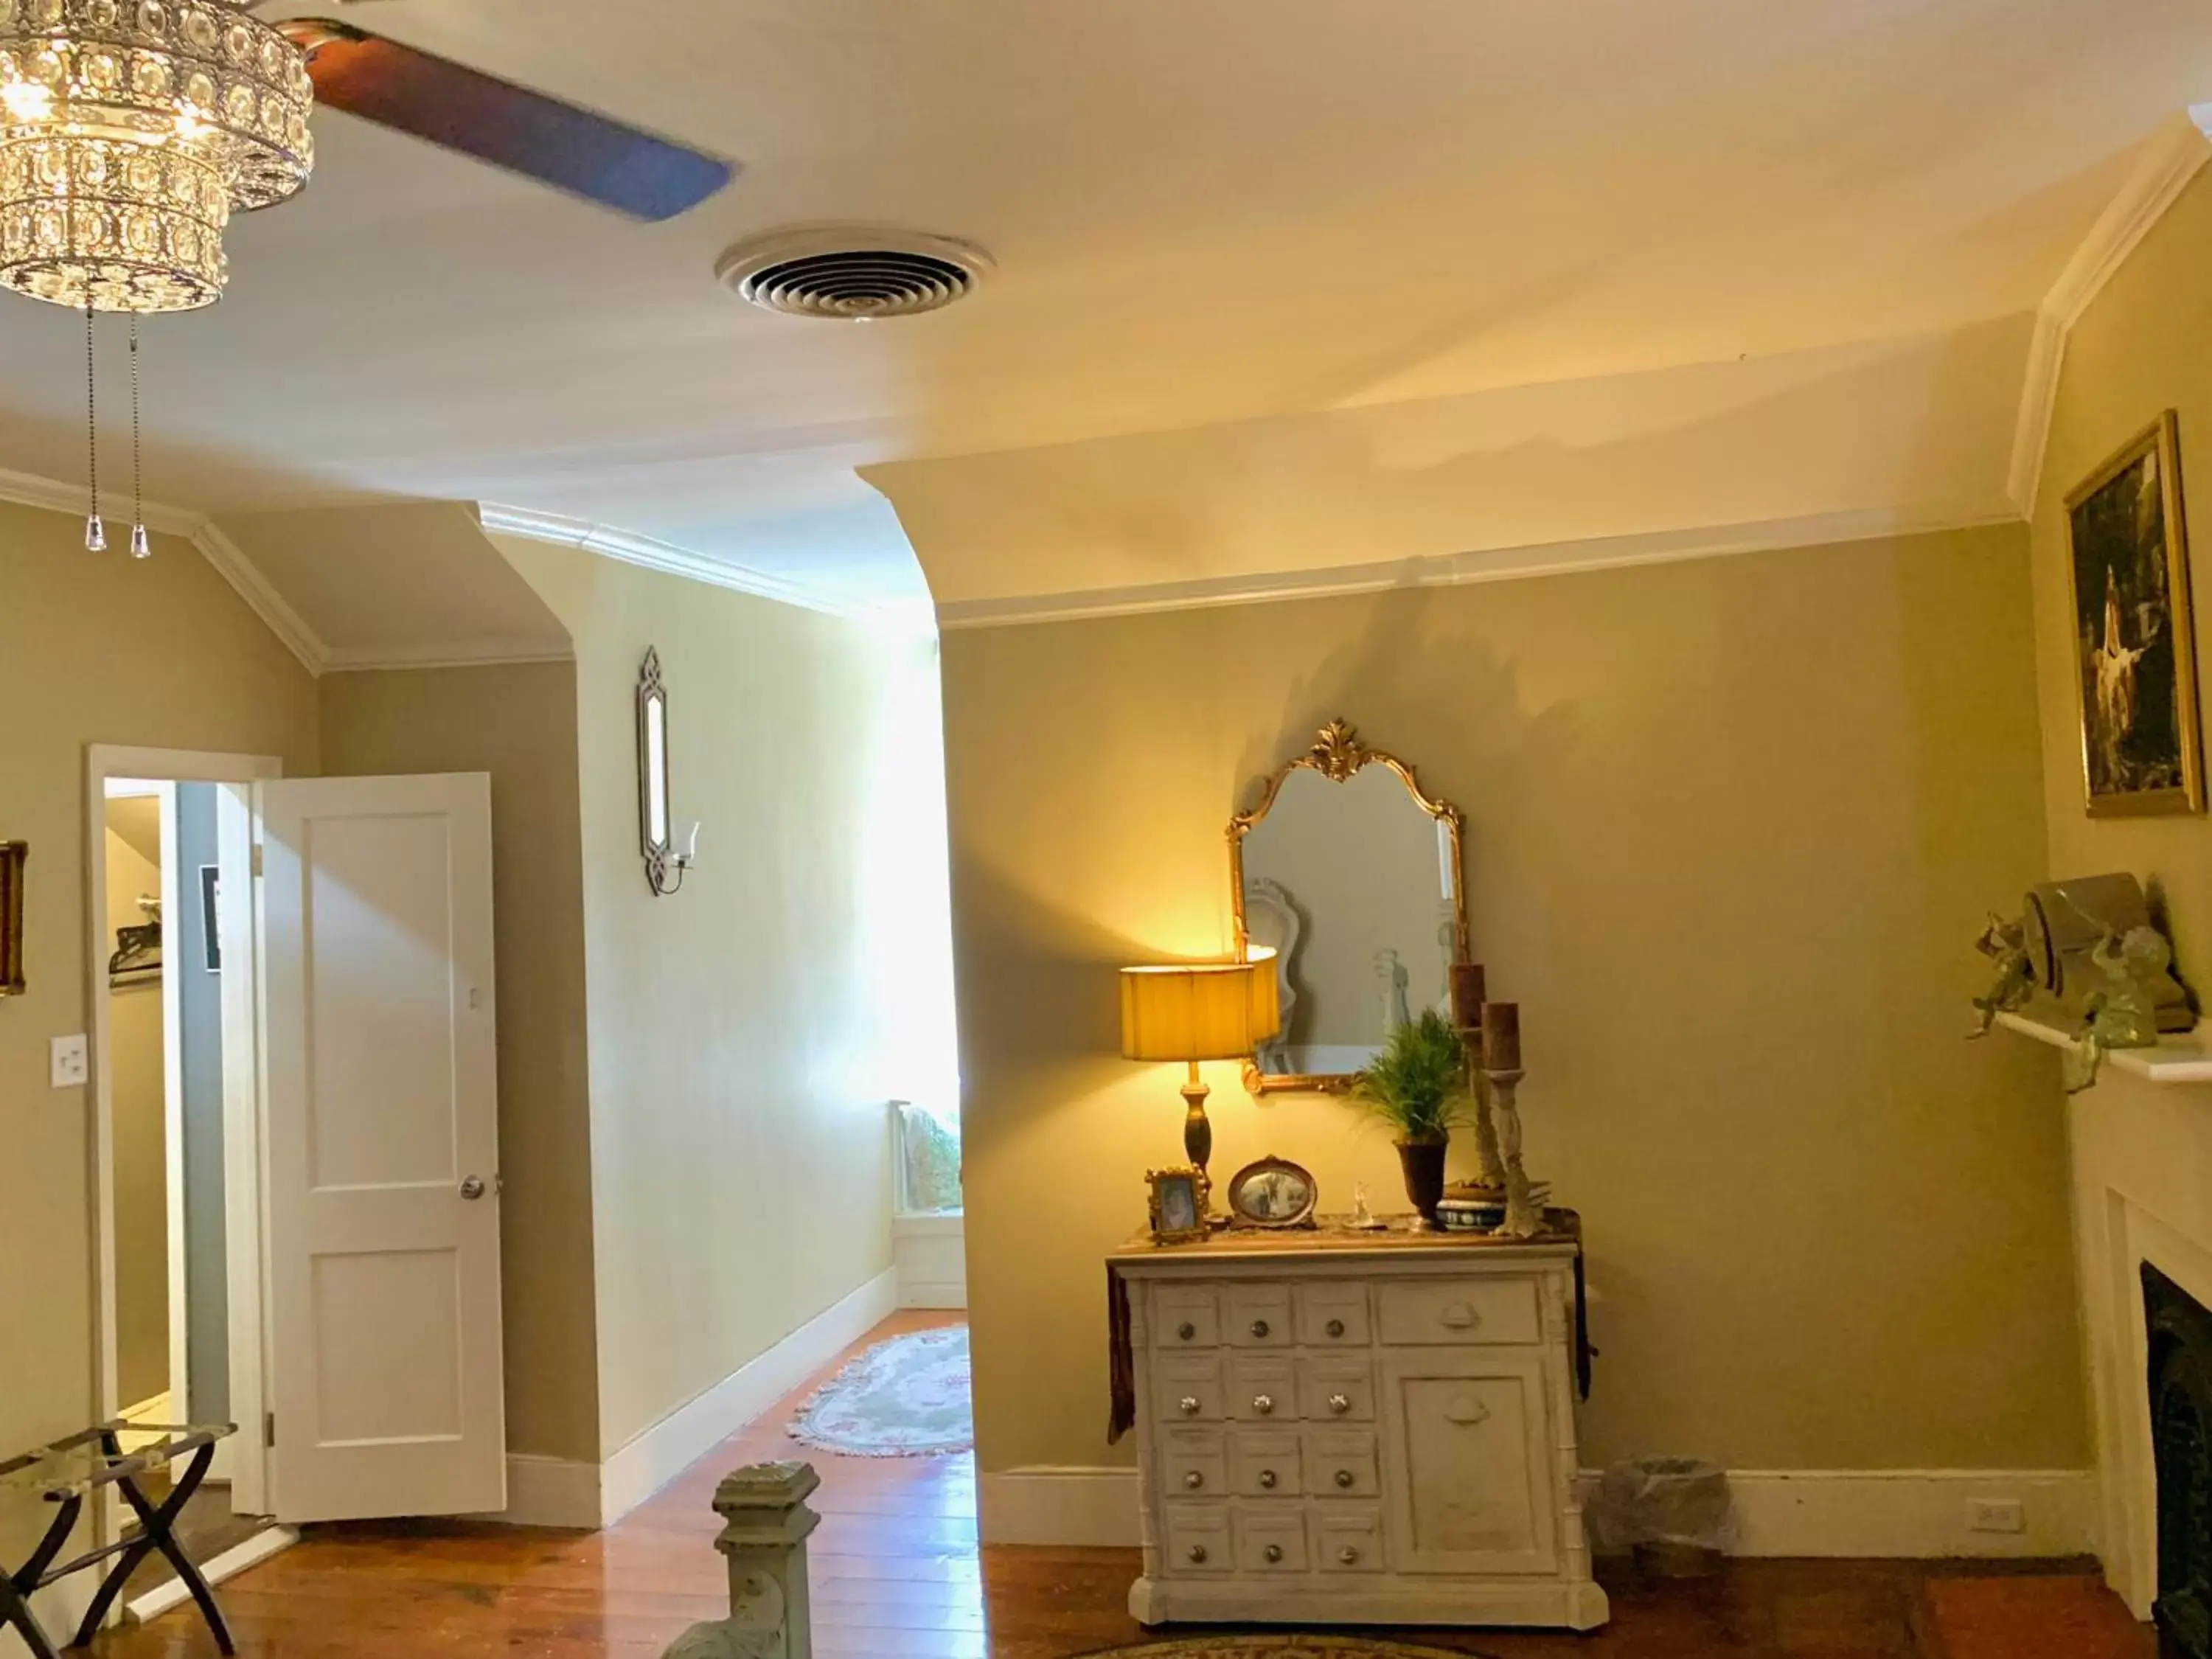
129 131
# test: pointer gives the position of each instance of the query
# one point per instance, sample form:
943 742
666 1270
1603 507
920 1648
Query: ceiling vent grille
852 273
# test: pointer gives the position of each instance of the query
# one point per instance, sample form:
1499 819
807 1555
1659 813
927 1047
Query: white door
383 1175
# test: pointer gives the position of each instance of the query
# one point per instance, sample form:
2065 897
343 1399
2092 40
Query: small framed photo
1273 1193
12 856
2135 631
1179 1205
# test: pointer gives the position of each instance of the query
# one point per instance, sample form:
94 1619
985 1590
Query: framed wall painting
2135 631
13 854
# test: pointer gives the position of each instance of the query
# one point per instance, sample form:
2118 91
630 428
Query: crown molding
450 654
1458 569
2176 153
630 547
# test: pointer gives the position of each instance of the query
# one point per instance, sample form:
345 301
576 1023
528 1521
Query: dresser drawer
1333 1315
1264 1463
1193 1463
1196 1540
1271 1543
1346 1539
1187 1388
1263 1389
1341 1463
1336 1391
1190 1316
1459 1310
1260 1317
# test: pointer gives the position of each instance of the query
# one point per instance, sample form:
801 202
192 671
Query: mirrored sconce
664 864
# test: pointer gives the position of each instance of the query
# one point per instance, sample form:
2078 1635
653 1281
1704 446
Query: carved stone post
766 1522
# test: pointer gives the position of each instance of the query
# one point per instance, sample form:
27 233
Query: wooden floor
897 1574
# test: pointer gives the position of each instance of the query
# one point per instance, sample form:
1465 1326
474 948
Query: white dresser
1357 1429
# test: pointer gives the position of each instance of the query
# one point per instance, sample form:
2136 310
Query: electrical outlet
71 1062
1995 1515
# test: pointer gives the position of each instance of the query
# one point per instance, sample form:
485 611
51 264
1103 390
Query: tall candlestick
1467 994
1501 1037
1523 1220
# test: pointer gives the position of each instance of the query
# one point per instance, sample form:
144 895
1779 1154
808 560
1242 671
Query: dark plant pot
1424 1164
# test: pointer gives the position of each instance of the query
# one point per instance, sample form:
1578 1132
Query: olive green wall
1733 825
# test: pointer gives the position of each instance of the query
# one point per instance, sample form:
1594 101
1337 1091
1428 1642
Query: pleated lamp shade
1192 1011
1267 994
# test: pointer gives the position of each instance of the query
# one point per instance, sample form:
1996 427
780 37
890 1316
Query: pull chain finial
140 547
95 532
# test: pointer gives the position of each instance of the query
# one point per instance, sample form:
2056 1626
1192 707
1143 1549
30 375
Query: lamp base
1198 1138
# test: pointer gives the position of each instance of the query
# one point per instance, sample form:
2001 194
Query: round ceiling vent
852 273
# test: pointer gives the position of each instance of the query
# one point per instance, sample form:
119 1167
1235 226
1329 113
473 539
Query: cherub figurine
2123 1012
2005 944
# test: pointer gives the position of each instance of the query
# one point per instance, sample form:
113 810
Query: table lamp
1198 1011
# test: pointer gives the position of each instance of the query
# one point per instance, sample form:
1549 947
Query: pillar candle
1501 1037
1466 994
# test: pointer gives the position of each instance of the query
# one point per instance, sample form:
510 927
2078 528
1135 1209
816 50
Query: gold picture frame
13 855
1181 1198
2135 631
1339 755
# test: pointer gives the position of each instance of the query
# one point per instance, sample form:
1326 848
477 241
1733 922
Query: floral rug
904 1398
1287 1646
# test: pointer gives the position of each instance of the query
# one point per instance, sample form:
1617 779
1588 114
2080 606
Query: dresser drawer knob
1349 1555
1260 1329
1273 1553
1264 1404
1267 1479
1193 1480
1185 1330
1339 1405
1466 1413
1336 1327
1461 1316
1196 1552
1347 1480
1187 1405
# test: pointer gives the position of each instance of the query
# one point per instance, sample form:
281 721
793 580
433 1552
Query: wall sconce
664 864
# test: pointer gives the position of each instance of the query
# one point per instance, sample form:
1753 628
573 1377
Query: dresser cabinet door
1470 1462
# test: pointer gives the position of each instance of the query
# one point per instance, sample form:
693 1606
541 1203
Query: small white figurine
1363 1218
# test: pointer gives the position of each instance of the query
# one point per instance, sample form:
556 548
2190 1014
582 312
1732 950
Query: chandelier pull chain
140 547
95 534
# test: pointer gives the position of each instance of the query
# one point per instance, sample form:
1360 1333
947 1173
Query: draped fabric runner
908 1397
1287 1646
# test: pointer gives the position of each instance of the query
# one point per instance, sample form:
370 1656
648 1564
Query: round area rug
904 1398
1287 1646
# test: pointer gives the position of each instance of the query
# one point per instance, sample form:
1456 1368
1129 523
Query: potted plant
1418 1085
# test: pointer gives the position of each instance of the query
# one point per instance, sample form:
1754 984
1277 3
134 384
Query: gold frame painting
2135 631
13 855
1339 755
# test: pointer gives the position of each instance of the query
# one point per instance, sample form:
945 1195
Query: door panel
1469 1429
384 1306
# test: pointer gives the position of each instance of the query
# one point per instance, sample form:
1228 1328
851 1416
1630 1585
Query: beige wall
1732 827
98 649
739 1139
2141 1150
141 1128
517 722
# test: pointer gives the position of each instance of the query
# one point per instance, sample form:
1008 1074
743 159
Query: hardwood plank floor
897 1574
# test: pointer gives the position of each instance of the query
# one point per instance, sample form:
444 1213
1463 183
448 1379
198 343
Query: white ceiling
1206 213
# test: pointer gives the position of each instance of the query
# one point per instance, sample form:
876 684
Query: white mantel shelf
2185 1059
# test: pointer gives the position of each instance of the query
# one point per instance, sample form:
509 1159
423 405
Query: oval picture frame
1265 1194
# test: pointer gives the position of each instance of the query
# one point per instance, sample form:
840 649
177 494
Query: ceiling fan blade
510 126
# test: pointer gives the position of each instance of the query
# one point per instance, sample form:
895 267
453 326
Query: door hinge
257 858
269 1429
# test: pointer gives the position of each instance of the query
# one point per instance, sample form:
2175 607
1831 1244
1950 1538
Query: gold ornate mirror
1354 874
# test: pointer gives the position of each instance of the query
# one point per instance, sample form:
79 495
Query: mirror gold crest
1354 875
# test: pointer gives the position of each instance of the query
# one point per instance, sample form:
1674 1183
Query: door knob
1193 1480
1187 1405
1339 1404
1336 1327
1349 1555
473 1189
1185 1330
1197 1552
1267 1479
1347 1480
1273 1553
1263 1404
1259 1330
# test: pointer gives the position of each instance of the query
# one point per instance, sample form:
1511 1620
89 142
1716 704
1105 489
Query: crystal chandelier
130 130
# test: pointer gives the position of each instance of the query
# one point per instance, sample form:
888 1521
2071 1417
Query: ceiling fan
539 137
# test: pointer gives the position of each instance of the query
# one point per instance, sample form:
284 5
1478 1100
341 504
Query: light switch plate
72 1064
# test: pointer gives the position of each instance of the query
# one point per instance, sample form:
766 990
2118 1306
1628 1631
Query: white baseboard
255 1550
937 1295
689 1433
550 1491
930 1253
1832 1512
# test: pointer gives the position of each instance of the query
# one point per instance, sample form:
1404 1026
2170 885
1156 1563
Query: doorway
174 1058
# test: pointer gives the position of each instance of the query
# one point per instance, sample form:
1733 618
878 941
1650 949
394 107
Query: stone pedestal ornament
766 1523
